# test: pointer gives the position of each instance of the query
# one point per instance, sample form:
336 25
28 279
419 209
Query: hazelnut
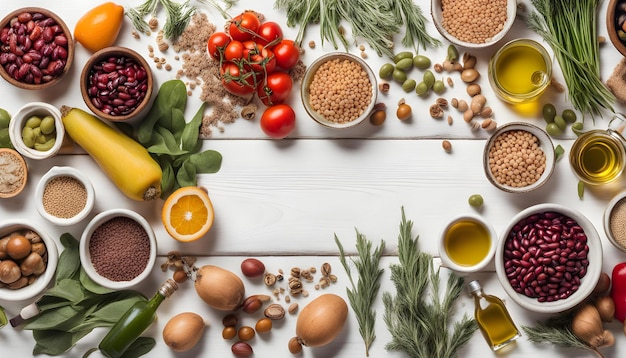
447 146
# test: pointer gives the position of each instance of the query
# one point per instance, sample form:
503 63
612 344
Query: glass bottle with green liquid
134 322
492 317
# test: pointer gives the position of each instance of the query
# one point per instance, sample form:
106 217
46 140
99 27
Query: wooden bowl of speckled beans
36 48
522 174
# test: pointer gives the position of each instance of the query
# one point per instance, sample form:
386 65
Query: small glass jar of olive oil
598 156
493 318
520 71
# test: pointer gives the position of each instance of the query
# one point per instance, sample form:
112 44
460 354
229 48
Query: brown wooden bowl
611 26
39 75
92 94
7 152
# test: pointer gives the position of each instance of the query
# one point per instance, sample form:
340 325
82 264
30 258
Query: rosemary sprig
376 33
415 22
556 330
363 294
222 11
178 17
419 323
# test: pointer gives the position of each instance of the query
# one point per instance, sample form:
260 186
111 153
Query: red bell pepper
618 290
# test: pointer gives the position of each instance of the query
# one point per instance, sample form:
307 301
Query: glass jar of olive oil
598 156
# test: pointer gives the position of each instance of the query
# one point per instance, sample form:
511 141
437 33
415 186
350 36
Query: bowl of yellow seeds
65 196
339 90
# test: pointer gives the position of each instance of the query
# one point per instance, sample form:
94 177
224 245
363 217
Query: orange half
187 213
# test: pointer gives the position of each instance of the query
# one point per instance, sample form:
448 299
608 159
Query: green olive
422 62
402 55
33 122
405 64
475 200
42 147
569 116
386 70
578 128
429 78
47 125
621 34
560 122
409 85
439 87
5 118
553 130
421 89
5 139
549 112
28 137
399 75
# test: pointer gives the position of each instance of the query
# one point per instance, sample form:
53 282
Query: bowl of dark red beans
616 24
118 249
36 48
549 258
116 84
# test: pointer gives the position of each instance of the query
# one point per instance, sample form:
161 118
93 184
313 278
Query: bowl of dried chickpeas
339 90
470 24
519 157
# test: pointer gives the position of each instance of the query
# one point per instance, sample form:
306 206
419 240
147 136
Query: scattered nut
274 311
462 106
468 115
454 102
325 269
311 44
450 120
557 85
251 304
450 82
492 126
486 123
269 279
442 102
469 75
486 112
447 146
435 111
448 66
438 67
293 308
473 89
469 61
475 125
383 87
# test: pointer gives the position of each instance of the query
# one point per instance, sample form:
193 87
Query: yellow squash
126 162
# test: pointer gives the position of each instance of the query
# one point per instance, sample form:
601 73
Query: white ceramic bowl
545 143
437 15
619 199
42 282
40 109
587 282
456 266
85 256
60 172
308 78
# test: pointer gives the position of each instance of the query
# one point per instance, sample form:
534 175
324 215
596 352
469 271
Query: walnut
436 111
249 111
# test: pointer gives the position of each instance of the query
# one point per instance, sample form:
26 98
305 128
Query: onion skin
587 325
183 331
219 288
321 321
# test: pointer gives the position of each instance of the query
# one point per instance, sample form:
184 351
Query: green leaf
139 347
114 308
558 152
186 175
164 142
91 286
172 94
168 177
581 189
54 342
67 289
189 138
55 319
206 162
69 260
3 318
177 123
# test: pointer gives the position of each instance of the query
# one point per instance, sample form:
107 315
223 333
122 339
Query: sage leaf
69 260
54 342
171 94
67 289
139 347
189 138
90 285
206 162
186 175
53 319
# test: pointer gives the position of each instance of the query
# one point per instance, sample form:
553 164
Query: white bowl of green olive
37 131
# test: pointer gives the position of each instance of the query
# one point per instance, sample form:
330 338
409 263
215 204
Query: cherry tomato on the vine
269 33
233 51
287 54
259 58
278 121
275 89
236 80
217 44
244 26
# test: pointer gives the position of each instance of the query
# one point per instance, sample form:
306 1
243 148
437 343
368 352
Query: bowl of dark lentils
36 48
116 84
549 258
616 24
118 249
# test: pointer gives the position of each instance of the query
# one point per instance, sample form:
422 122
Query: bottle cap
168 288
474 286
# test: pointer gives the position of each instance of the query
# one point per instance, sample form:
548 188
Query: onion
183 331
321 320
219 288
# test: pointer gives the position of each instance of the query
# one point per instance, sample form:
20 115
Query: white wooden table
282 201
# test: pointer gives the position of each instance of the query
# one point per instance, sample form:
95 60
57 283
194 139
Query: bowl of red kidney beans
549 258
36 48
116 84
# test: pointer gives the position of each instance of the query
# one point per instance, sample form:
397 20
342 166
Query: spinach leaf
206 162
54 342
190 134
172 94
139 347
186 175
176 123
168 177
164 142
69 260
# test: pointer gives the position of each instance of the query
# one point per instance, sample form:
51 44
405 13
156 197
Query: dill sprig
556 330
419 322
571 32
178 17
363 294
377 33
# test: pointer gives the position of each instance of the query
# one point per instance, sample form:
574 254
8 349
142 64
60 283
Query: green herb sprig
417 317
571 31
364 293
556 330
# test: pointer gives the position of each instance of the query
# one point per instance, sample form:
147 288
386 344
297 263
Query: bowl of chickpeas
339 90
518 157
36 130
470 24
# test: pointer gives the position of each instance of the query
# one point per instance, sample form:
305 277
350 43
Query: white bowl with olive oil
467 243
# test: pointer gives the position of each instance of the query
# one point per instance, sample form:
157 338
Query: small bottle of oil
493 318
134 322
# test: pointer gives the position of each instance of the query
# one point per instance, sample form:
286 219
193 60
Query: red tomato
235 80
278 121
244 26
233 51
287 54
269 33
217 43
259 58
275 89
